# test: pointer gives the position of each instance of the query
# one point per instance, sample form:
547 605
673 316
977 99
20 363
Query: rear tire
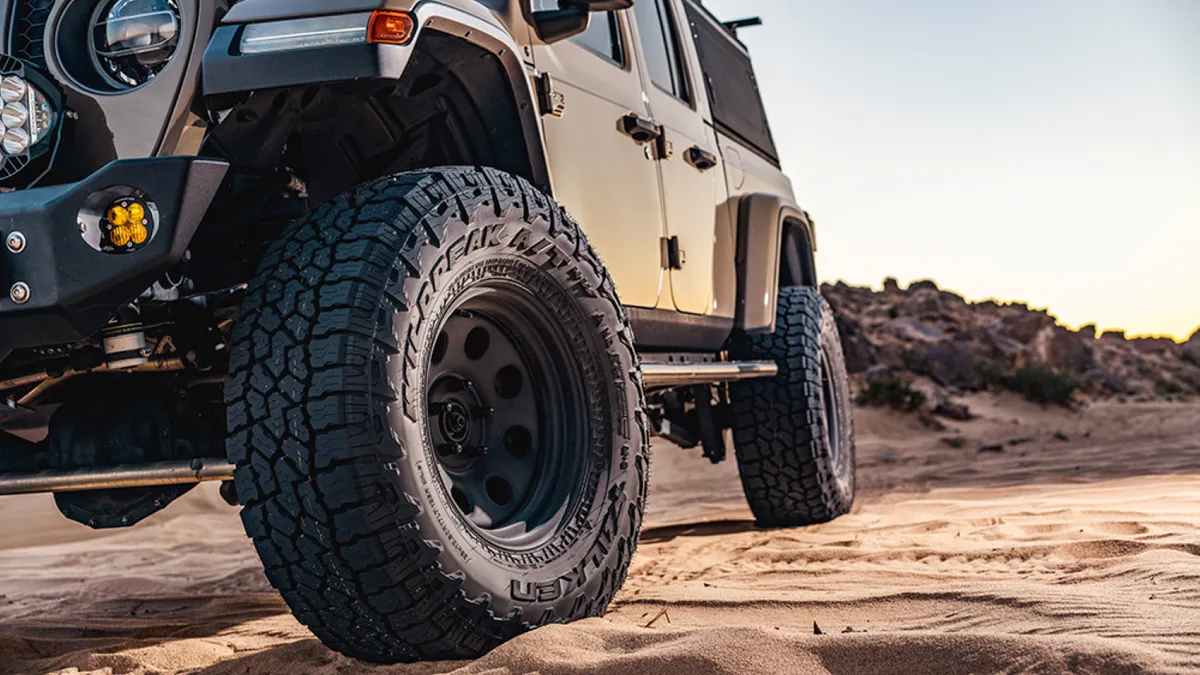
794 433
393 341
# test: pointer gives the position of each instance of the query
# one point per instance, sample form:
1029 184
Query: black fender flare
226 72
776 245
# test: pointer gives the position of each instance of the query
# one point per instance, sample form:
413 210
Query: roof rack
730 30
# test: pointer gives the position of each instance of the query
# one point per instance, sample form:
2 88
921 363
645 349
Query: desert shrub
992 374
1168 388
894 392
1042 384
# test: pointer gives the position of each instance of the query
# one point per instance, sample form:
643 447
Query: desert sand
1072 548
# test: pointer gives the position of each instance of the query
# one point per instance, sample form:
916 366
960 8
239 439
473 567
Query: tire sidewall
843 468
570 576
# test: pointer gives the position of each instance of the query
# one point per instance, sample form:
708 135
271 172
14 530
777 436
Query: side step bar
667 375
132 475
655 376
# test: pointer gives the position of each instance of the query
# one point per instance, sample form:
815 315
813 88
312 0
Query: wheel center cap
455 422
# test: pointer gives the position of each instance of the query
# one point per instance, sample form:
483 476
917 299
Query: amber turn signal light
390 27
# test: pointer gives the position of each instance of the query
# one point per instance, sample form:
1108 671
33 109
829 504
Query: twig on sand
661 613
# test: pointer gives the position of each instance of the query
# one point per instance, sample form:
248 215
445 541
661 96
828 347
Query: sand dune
1076 555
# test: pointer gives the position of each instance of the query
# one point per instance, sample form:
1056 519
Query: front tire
794 433
437 418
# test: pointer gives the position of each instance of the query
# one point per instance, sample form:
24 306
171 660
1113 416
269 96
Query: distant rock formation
969 346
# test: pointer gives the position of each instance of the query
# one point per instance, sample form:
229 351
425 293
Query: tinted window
732 88
660 42
603 36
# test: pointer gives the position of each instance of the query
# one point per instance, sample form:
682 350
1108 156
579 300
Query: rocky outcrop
967 346
1190 351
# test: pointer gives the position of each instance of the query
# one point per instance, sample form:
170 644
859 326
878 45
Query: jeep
417 281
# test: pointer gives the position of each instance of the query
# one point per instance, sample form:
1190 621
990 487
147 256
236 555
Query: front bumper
73 289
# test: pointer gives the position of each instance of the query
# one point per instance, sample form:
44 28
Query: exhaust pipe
127 476
667 375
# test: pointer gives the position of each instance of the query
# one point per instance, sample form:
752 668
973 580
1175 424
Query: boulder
909 329
1088 332
992 345
1190 351
954 411
953 301
890 285
1100 381
952 363
1070 351
1118 335
924 304
1025 326
923 284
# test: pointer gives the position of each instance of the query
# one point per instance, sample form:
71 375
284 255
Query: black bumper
73 288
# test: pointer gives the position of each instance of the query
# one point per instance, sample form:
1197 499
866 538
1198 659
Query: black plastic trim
227 71
666 329
74 288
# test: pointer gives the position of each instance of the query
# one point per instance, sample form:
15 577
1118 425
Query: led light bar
381 26
26 116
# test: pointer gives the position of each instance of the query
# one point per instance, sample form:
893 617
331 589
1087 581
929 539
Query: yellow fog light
120 236
118 215
127 224
137 231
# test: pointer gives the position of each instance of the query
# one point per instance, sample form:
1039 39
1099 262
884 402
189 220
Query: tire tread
304 398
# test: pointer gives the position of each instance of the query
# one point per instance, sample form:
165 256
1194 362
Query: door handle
639 128
700 158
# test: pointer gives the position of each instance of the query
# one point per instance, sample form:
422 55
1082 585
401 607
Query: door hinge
663 148
673 257
551 101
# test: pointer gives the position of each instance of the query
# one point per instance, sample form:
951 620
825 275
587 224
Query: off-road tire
327 421
790 472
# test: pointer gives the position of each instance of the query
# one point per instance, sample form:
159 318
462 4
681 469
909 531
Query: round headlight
132 40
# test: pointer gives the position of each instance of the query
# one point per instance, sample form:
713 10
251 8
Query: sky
1045 151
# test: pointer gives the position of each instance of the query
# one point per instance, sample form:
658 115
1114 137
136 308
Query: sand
1049 555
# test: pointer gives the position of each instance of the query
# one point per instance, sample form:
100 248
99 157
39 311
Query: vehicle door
689 165
606 180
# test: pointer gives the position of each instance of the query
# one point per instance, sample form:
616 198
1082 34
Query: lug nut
19 293
482 412
15 242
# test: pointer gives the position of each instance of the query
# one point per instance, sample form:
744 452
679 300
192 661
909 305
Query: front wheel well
455 104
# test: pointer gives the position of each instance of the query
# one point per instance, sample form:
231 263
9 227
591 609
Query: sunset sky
1042 151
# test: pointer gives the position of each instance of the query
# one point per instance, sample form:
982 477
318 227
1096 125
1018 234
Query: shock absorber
125 341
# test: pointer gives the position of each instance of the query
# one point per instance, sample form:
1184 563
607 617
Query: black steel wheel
436 414
505 405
